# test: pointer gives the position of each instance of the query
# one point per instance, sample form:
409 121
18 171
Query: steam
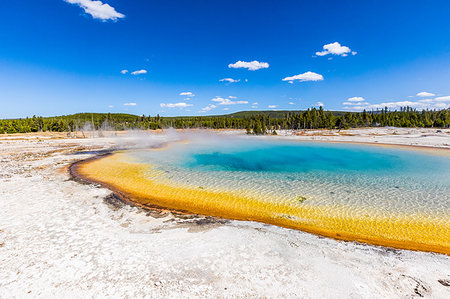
145 139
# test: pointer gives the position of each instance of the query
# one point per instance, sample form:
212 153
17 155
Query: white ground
58 238
390 135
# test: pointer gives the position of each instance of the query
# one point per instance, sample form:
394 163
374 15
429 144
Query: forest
255 122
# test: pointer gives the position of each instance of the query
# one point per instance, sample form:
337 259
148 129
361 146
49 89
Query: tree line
254 123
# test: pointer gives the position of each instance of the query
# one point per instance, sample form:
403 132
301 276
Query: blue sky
67 56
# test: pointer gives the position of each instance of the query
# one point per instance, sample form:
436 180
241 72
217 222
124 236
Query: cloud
335 49
291 103
222 101
356 99
443 99
424 94
110 106
98 9
129 104
436 103
252 65
308 76
175 105
140 72
255 103
320 104
272 106
187 93
226 109
232 97
229 80
442 106
208 108
124 71
398 104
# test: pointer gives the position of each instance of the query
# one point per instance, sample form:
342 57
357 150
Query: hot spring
391 196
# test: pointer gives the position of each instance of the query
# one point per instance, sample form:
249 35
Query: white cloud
437 103
356 99
226 109
110 106
320 104
291 103
254 106
175 105
252 65
443 99
140 72
209 107
308 76
424 94
124 71
335 49
442 105
129 104
229 80
98 9
232 97
393 105
272 106
187 93
255 103
222 101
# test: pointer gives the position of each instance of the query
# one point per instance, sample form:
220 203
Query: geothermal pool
390 196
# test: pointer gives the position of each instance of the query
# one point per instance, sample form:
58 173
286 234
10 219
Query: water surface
382 195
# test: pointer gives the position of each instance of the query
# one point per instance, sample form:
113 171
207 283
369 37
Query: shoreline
147 201
429 149
73 171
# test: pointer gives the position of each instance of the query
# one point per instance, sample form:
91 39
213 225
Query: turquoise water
325 173
298 157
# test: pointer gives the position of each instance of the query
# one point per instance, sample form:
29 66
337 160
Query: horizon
226 114
203 58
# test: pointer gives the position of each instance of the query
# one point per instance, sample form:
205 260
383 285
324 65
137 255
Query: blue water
330 173
299 157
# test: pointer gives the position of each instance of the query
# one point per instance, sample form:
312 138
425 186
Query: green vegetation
255 122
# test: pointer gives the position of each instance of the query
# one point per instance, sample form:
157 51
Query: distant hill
255 122
86 116
125 117
270 113
132 117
